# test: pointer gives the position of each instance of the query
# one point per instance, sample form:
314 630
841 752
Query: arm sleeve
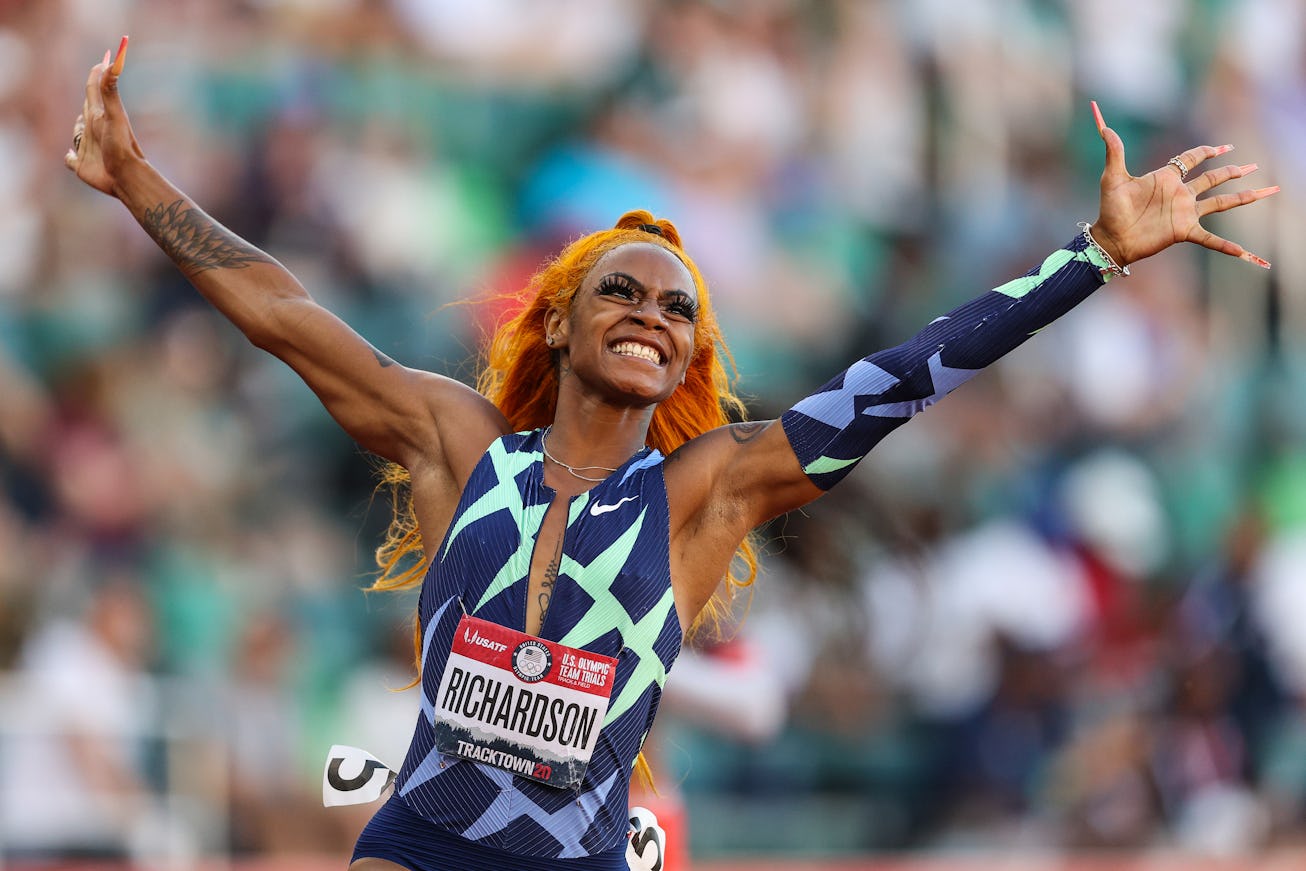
834 428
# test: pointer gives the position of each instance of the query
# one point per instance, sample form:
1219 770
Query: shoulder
741 474
458 426
697 460
698 472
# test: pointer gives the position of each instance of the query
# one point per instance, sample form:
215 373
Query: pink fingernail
1223 149
1097 116
1248 168
1265 192
1252 258
106 58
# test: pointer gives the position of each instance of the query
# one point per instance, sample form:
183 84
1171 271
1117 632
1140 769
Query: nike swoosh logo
596 509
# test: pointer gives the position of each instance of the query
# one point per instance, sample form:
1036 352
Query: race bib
520 703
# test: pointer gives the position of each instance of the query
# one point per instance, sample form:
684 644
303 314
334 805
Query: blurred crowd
1061 609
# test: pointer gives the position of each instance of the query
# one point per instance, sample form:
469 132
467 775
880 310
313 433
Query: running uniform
612 597
613 593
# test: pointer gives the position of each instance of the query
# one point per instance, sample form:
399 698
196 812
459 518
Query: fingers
94 103
1114 169
1225 202
109 82
103 78
101 96
1195 157
92 89
1216 177
1207 239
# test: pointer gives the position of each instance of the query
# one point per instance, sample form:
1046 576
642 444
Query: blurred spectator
76 777
273 809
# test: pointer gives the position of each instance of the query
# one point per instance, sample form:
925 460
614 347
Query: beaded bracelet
1111 265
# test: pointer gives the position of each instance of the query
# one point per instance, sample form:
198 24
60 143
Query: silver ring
1178 164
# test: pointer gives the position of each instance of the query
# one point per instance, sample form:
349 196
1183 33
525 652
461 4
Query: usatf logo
531 661
474 637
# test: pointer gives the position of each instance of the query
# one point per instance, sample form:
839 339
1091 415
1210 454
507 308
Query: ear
556 329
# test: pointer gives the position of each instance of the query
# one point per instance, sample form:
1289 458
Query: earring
548 340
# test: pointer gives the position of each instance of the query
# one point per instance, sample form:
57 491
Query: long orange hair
520 376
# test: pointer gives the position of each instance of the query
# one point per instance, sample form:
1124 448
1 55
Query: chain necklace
572 469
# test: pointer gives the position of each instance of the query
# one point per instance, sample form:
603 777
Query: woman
583 519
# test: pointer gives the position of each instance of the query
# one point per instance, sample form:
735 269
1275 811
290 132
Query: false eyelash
622 285
617 283
685 308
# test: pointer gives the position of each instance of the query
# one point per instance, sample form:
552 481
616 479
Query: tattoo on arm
743 433
197 243
385 361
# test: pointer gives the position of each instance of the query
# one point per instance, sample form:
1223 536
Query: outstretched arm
748 473
834 428
389 409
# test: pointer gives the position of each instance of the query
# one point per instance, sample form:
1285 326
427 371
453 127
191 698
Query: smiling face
630 332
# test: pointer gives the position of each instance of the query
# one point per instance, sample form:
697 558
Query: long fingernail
1252 258
121 58
1223 149
1265 192
1248 169
106 57
1097 116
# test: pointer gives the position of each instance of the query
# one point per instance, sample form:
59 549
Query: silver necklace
544 445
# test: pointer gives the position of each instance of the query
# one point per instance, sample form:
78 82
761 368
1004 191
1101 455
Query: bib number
521 703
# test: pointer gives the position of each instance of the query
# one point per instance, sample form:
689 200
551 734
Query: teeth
635 349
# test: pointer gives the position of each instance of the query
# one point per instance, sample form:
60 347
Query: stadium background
1058 616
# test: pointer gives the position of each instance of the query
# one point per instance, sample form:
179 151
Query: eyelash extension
685 309
620 285
616 284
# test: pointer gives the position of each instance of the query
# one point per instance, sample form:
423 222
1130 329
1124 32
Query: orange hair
520 376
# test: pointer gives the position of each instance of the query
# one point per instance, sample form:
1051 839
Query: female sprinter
578 513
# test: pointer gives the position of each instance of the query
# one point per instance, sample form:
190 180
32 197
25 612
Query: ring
77 141
1178 164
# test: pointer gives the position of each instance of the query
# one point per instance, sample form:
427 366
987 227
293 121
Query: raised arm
402 414
834 428
748 473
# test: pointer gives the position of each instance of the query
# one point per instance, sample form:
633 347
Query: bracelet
1111 265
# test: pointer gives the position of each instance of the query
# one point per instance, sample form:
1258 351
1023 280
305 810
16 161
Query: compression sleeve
834 428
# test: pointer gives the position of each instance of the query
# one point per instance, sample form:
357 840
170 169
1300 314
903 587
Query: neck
597 436
583 459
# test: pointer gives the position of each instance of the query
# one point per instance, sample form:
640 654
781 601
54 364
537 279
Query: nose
656 321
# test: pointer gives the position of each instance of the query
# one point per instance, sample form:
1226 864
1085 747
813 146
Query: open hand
103 141
1140 216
